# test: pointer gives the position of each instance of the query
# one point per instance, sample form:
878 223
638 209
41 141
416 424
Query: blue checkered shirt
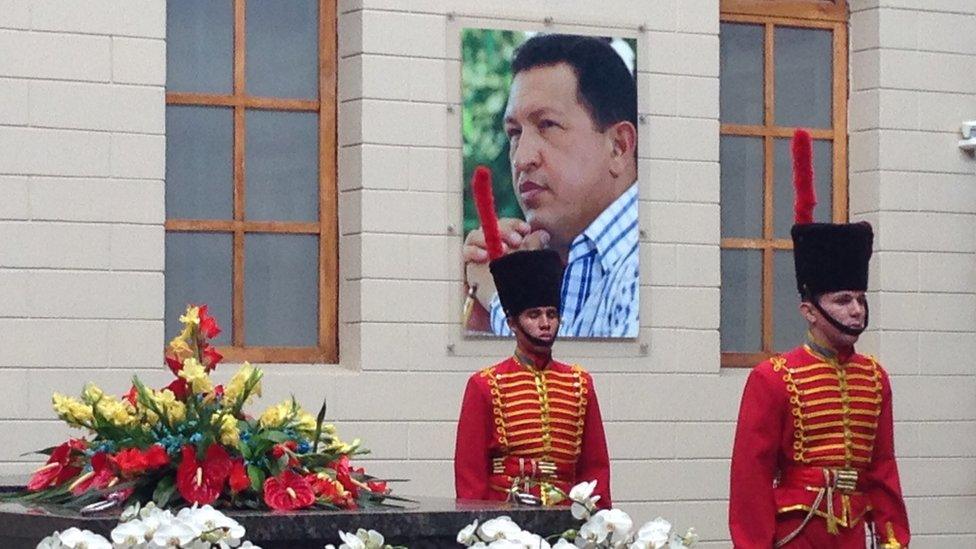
601 284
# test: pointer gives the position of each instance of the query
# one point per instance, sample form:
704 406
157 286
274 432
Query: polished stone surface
431 522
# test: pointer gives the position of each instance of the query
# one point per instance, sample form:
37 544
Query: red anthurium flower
211 358
331 490
179 388
288 491
202 482
344 474
174 365
156 456
101 475
377 486
208 325
59 467
238 479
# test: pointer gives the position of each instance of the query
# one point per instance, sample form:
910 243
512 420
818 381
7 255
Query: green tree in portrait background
485 79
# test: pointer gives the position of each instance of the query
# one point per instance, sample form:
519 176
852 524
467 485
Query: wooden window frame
770 14
326 227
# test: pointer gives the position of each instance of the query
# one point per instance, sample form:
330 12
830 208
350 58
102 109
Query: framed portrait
553 117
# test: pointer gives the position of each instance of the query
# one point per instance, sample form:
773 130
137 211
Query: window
783 66
251 224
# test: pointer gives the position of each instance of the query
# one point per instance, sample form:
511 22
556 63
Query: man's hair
605 86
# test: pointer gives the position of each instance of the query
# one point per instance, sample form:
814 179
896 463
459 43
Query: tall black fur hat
528 279
828 257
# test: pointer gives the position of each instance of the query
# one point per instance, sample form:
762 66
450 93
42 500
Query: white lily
467 535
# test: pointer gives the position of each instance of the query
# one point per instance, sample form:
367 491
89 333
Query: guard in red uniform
530 423
814 456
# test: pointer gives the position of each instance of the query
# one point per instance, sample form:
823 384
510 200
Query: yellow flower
235 388
195 374
179 347
174 410
191 316
72 410
277 415
305 424
230 435
92 393
120 414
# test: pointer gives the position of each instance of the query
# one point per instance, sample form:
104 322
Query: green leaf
318 426
276 436
164 491
257 477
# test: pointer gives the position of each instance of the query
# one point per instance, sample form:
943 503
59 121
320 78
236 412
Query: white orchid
498 528
653 535
595 530
563 543
74 538
505 544
528 540
175 533
584 502
467 536
215 527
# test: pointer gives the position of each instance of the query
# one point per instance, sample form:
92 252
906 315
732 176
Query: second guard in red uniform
814 458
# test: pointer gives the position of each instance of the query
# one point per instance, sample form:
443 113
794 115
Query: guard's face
560 161
536 328
849 307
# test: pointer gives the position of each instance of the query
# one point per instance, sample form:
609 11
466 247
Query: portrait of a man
565 172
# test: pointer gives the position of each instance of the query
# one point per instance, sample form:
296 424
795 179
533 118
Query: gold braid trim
581 410
779 365
496 404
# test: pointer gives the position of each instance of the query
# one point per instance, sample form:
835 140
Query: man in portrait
571 122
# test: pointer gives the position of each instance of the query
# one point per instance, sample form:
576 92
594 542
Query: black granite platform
431 522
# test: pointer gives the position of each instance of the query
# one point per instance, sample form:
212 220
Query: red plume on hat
805 197
484 200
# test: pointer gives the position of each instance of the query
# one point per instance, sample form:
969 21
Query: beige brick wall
911 86
81 168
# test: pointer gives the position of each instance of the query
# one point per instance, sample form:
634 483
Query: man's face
535 328
849 307
560 161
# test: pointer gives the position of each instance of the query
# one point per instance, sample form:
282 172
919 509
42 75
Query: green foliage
486 77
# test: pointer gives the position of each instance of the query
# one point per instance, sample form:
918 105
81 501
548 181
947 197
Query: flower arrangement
607 528
191 443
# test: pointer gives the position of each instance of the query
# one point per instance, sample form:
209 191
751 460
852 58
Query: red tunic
521 423
802 416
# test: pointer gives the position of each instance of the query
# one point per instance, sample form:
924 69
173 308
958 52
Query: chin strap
836 323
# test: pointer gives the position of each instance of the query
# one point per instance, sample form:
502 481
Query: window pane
803 61
741 308
783 195
788 325
741 81
282 166
199 46
199 158
198 271
741 161
281 290
282 48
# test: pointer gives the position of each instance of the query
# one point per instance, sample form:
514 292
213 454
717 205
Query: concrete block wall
81 168
82 154
911 87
